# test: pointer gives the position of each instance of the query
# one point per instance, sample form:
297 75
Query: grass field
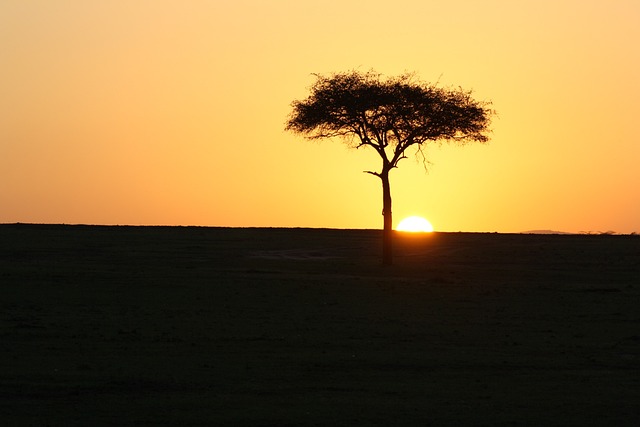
189 326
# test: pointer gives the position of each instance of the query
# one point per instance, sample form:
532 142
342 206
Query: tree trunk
387 232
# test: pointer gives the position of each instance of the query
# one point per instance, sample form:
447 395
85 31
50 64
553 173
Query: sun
415 224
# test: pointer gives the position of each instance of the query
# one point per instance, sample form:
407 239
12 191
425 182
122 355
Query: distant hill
607 233
544 232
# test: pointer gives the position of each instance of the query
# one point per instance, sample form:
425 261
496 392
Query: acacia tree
388 115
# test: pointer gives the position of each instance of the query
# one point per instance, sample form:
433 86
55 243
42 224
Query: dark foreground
151 326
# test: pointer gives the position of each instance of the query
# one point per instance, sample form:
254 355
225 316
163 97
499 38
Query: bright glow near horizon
165 112
415 224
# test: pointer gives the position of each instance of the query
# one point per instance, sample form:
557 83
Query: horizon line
532 232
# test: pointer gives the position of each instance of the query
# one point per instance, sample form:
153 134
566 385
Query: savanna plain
198 326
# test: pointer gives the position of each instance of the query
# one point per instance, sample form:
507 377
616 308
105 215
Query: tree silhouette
388 115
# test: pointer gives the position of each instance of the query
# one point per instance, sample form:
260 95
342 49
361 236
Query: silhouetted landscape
198 326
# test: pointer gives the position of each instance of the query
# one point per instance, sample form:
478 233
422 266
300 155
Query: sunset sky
172 112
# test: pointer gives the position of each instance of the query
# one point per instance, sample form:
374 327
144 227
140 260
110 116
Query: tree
388 115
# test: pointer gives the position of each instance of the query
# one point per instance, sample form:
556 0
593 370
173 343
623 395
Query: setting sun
415 224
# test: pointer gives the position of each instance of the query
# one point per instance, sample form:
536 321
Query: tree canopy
391 114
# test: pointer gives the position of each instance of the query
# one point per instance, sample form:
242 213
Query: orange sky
172 112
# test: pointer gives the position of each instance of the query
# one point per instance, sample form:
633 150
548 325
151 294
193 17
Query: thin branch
425 162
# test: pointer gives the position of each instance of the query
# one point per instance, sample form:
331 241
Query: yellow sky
172 112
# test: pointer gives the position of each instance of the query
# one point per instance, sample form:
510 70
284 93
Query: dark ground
151 326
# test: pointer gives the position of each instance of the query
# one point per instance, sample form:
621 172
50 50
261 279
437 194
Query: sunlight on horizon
415 224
